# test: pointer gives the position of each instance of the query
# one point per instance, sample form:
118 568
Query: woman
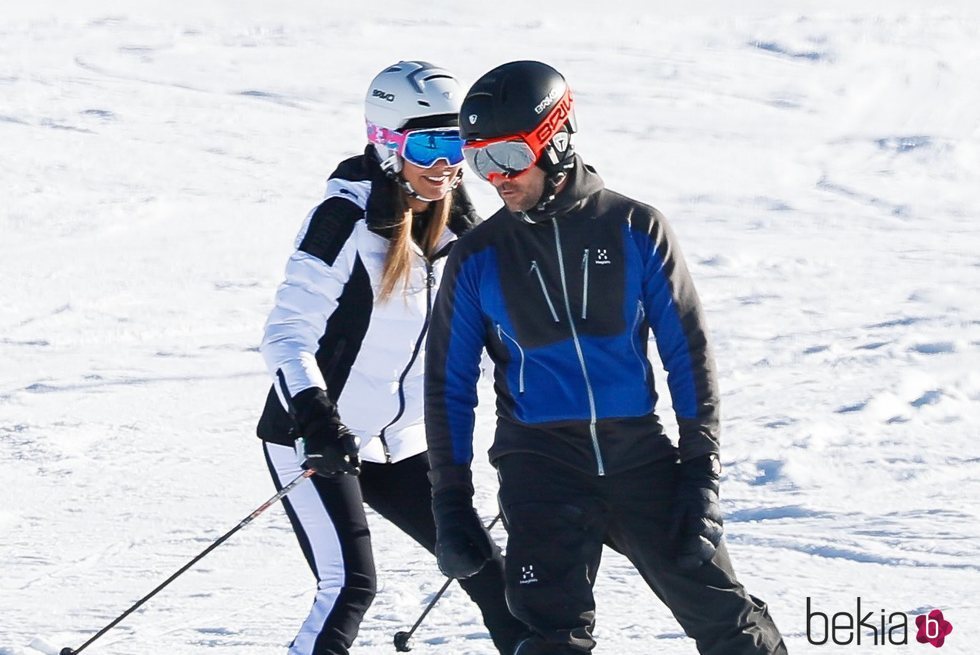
345 345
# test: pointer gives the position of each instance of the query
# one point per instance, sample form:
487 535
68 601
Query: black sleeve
452 366
674 313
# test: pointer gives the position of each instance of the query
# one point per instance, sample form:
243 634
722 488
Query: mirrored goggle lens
425 147
506 158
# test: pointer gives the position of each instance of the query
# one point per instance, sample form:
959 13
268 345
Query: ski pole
220 540
402 637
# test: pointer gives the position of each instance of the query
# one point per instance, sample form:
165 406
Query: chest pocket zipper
520 377
636 324
537 271
585 284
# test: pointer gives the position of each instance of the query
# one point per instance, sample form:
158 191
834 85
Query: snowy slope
820 163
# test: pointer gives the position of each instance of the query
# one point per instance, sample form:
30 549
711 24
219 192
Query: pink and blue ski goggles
424 148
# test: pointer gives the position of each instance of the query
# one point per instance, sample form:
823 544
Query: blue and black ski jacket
564 306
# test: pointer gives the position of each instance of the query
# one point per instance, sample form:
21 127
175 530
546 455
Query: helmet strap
551 184
391 165
540 211
556 160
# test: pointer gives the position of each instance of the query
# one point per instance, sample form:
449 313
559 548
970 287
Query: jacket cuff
455 477
696 439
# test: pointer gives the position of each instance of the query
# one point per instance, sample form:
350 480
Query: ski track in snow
820 166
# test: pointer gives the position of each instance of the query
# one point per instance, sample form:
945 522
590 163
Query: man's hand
329 447
463 545
696 528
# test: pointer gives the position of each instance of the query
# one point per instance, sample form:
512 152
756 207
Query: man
562 287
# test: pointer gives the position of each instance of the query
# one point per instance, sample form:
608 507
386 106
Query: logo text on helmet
378 93
473 118
551 123
548 100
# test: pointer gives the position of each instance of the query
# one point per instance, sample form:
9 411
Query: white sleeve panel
304 302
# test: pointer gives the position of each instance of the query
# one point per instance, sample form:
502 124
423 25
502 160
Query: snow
819 163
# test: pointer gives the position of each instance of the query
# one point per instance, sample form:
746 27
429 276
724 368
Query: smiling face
432 183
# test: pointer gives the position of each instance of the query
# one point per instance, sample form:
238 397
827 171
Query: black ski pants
558 519
329 520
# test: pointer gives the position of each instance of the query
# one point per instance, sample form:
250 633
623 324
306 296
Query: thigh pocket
552 553
551 520
545 539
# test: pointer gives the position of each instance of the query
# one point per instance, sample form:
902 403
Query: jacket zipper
636 324
581 355
544 290
520 378
429 283
585 284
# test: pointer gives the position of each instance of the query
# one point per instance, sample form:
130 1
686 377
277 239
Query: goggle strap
553 122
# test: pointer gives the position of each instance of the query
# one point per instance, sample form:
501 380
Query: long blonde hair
398 261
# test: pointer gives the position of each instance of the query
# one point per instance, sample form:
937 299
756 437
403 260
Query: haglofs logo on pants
527 574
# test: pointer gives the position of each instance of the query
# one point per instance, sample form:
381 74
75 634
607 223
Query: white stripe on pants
323 540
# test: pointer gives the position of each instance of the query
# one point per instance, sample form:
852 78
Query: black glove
329 447
463 545
696 527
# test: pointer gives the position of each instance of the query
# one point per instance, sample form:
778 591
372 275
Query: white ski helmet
410 95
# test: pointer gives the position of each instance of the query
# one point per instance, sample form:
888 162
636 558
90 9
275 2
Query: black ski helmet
521 98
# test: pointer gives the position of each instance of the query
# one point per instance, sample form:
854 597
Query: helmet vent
412 90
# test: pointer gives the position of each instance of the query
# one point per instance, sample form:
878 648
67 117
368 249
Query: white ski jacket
328 328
